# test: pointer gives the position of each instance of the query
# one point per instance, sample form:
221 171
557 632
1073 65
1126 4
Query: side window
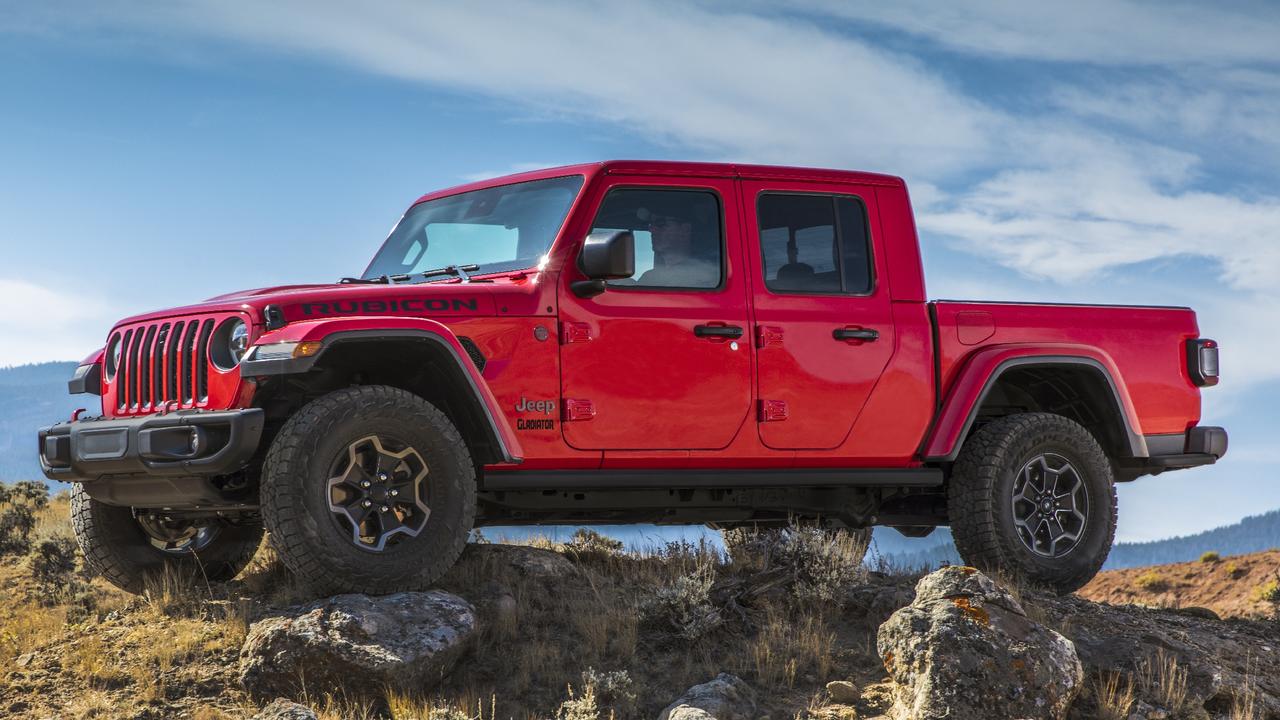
679 237
814 244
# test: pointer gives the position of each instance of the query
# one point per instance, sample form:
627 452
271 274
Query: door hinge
574 332
773 410
767 335
576 410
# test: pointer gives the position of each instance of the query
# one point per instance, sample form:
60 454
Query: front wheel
1032 495
127 546
368 489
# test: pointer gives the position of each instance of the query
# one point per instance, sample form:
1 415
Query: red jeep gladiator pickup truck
617 342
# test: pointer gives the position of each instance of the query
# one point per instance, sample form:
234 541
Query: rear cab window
814 244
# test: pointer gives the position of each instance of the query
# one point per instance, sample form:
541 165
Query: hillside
1231 586
32 396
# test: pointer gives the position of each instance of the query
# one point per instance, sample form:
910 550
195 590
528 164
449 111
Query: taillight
1202 361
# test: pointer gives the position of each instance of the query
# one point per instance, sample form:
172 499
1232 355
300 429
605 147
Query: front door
661 360
824 325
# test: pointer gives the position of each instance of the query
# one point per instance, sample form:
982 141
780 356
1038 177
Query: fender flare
331 332
983 370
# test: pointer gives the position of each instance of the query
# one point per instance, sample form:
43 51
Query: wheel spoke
1050 505
382 492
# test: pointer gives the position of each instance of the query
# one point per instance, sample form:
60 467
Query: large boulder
356 645
964 648
727 697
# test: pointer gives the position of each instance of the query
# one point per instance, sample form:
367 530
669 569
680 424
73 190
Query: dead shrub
614 691
684 608
579 707
16 524
822 564
52 562
587 543
31 493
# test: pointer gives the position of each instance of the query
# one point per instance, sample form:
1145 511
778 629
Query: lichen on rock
965 648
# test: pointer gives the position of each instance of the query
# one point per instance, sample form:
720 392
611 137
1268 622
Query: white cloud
52 324
730 84
1101 32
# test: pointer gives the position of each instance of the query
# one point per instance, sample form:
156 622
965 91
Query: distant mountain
32 396
1252 534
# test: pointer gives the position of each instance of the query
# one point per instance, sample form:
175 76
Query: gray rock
727 697
964 648
282 709
843 692
356 645
527 561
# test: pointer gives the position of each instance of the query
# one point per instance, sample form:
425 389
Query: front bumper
184 444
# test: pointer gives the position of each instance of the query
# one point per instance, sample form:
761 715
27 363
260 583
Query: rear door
824 325
661 360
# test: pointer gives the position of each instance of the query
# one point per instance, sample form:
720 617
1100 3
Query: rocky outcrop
358 643
282 709
527 561
1226 665
727 697
965 648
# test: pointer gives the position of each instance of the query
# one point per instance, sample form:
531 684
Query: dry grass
786 646
1164 679
92 704
1152 582
1113 694
27 627
88 658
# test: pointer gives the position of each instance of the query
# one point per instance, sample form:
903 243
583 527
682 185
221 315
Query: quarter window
814 244
678 233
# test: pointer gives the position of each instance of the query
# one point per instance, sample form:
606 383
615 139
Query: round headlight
238 344
114 349
229 344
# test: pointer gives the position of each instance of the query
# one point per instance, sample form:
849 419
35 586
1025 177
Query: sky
157 153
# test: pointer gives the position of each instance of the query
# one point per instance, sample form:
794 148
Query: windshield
503 228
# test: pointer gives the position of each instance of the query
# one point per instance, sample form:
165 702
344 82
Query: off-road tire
116 547
295 506
980 505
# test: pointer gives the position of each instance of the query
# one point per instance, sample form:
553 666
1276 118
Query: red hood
519 293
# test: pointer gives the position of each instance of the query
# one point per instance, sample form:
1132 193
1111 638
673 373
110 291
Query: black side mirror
606 255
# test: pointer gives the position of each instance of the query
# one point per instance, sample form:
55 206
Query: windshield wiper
450 270
453 270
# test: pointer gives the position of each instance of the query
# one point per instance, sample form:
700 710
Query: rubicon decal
375 307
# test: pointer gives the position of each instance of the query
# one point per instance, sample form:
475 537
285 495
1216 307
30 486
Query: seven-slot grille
163 363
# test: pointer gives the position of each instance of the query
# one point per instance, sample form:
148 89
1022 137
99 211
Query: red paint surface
664 398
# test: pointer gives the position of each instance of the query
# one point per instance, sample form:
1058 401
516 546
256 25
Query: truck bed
1146 344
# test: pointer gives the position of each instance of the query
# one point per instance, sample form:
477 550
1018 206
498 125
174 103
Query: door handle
864 334
717 331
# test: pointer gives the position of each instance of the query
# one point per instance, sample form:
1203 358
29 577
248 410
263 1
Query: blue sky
156 153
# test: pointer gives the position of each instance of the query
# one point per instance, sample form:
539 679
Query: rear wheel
127 547
1032 495
368 489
